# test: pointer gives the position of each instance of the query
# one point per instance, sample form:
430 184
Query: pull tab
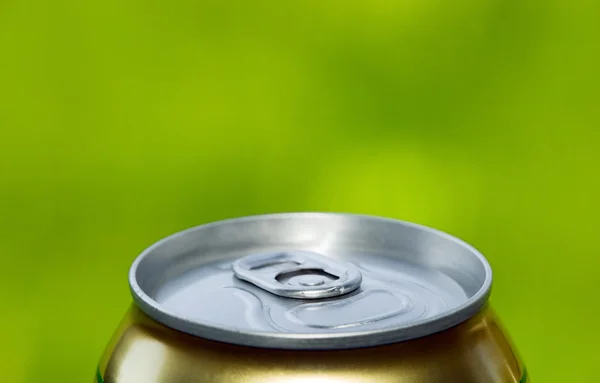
298 274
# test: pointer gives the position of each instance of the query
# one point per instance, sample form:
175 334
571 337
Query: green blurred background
124 121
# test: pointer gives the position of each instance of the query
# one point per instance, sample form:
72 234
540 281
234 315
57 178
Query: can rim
330 341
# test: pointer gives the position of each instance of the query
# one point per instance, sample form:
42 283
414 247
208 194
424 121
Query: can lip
329 341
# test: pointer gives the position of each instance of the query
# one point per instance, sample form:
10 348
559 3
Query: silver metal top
310 281
298 274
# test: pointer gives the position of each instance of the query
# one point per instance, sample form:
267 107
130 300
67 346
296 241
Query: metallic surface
416 281
298 274
144 351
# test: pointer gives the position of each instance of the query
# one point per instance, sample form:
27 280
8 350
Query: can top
310 281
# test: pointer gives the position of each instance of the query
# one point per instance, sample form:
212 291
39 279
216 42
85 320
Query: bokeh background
124 121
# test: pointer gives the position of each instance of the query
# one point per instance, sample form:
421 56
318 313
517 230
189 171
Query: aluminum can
310 298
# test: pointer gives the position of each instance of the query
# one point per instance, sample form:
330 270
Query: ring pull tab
298 274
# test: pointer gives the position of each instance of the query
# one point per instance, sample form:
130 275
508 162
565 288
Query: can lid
310 281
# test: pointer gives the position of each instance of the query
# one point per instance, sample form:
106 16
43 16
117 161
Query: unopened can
310 297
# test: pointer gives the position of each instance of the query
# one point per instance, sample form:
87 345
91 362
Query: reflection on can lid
310 281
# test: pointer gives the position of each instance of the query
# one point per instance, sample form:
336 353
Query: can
310 297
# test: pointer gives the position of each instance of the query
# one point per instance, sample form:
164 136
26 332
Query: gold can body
476 351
